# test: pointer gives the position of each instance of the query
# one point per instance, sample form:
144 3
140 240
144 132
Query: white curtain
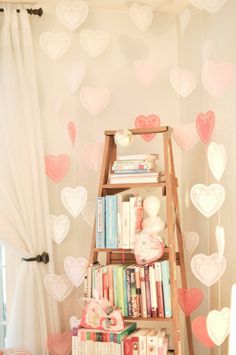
24 211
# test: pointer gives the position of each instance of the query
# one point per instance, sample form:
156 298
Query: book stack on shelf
138 291
141 168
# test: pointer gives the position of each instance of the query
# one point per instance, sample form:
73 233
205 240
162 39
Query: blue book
100 223
132 171
165 272
111 221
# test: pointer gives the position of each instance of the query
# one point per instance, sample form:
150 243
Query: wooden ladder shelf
174 253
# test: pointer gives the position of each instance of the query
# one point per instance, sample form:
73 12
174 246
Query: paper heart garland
75 269
74 199
60 226
145 72
74 322
200 331
184 18
94 42
14 351
220 239
141 16
55 44
60 343
57 166
205 124
150 121
207 199
72 132
208 269
133 49
75 76
183 81
189 299
147 248
95 100
217 77
72 13
208 5
191 241
59 287
185 136
218 324
216 155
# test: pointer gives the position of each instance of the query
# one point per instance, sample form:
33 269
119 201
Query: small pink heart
75 269
57 166
185 136
92 154
72 132
189 299
200 331
205 124
60 343
150 121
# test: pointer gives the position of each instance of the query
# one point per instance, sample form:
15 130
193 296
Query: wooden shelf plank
119 250
130 186
138 131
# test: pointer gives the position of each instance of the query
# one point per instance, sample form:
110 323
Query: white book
134 203
153 290
152 342
138 157
125 225
143 293
119 221
161 337
142 340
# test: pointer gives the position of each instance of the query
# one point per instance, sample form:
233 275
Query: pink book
110 284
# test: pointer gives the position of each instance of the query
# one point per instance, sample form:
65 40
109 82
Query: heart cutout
59 287
92 155
208 5
94 42
147 248
60 343
55 44
208 269
141 16
75 76
207 199
150 121
57 166
183 81
145 72
191 241
216 155
74 199
72 132
185 136
218 325
200 331
205 124
72 13
60 226
95 100
189 299
74 322
75 269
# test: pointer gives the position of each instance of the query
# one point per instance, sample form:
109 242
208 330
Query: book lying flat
138 157
133 178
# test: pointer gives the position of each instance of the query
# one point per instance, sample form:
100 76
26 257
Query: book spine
125 332
143 345
165 272
119 222
132 166
100 222
138 290
139 213
120 287
125 292
135 345
110 285
115 286
148 292
128 282
131 171
125 225
143 293
105 282
111 221
132 220
128 349
134 309
153 291
152 347
159 288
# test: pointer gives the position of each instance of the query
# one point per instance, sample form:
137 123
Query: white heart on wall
75 76
58 286
72 13
145 72
94 42
220 239
218 325
74 322
74 199
60 226
208 5
55 44
216 155
183 81
141 16
191 241
207 199
184 18
95 100
208 269
75 269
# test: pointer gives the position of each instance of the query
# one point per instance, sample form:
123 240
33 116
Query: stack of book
139 291
140 168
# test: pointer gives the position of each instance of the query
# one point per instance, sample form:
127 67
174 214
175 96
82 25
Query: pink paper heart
60 343
217 77
59 286
145 72
92 154
72 132
200 331
115 322
205 124
185 136
183 81
75 269
57 166
150 121
189 299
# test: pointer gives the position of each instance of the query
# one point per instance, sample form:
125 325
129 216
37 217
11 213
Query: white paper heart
184 18
216 155
59 287
75 269
75 76
208 269
145 72
141 15
207 199
191 241
72 13
206 50
95 100
220 239
211 6
74 322
183 81
94 42
74 199
218 325
55 44
88 213
60 226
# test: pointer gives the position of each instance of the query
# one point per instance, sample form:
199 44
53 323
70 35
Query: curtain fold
24 210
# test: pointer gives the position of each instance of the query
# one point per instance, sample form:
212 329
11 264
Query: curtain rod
38 12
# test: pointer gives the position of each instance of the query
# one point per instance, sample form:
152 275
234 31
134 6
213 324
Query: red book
159 287
128 348
148 292
134 340
110 284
